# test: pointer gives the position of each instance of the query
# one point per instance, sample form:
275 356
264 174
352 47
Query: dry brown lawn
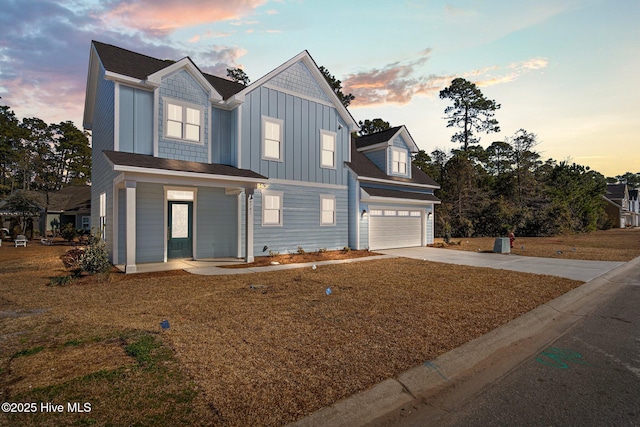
258 349
610 245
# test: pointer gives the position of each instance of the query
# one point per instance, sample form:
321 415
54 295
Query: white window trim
335 138
280 195
184 105
280 123
103 217
324 197
404 154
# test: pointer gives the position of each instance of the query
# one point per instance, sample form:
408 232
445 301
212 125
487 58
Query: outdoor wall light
364 213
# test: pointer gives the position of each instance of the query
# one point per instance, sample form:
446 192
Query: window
389 213
103 216
399 161
272 131
375 212
327 210
86 222
183 121
415 213
271 208
327 149
403 213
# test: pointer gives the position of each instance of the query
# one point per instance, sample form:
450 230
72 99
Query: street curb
392 394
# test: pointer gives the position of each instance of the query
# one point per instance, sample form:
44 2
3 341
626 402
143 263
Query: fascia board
184 174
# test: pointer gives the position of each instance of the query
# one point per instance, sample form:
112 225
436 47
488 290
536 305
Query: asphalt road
588 376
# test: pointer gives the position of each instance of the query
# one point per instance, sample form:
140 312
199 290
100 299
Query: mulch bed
297 258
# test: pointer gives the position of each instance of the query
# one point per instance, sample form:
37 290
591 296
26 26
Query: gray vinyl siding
150 208
182 86
301 221
379 158
303 119
135 120
102 139
354 215
217 228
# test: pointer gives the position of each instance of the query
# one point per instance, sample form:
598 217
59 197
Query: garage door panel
394 231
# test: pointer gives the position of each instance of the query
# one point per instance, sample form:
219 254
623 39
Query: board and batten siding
301 221
223 134
217 228
303 119
135 120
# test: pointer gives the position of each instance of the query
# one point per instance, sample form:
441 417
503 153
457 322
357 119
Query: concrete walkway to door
569 268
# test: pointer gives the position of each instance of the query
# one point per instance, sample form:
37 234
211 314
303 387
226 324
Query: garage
394 228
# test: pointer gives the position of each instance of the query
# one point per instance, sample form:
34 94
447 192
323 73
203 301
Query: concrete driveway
569 268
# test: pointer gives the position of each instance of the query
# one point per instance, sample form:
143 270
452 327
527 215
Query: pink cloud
161 17
395 83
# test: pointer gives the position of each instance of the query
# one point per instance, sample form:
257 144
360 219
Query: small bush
60 280
95 258
300 251
346 249
273 253
322 250
69 232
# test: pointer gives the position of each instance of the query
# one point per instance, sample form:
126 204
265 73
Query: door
394 228
180 233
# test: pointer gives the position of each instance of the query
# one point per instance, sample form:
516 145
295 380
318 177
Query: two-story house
618 205
190 165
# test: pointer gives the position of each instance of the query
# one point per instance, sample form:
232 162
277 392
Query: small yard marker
313 267
328 291
164 324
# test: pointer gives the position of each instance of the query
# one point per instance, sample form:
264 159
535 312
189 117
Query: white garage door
394 228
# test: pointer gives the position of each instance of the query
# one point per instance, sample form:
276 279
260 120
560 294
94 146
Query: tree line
38 156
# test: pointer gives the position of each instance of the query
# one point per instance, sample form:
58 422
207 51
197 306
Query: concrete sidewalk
506 346
569 268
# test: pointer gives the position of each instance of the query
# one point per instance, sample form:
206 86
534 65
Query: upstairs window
327 149
399 162
103 216
272 131
183 121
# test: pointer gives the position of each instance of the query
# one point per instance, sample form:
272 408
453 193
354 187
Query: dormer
390 150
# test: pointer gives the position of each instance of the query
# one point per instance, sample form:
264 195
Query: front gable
297 80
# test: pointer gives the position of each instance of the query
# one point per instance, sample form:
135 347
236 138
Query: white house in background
190 165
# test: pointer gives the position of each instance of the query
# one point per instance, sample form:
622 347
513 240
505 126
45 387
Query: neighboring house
189 165
70 205
618 205
634 208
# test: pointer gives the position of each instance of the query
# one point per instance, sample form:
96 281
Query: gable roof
136 65
386 137
69 199
363 167
306 58
616 191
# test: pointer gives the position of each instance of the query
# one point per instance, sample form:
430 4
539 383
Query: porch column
248 234
130 226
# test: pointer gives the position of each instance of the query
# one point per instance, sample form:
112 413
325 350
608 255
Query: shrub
322 250
69 232
273 253
95 258
301 251
346 249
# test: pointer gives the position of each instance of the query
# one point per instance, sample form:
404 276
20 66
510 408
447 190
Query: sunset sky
566 70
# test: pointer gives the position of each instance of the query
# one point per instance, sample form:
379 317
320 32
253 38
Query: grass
258 349
609 245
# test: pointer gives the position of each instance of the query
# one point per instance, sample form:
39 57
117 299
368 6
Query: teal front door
180 233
